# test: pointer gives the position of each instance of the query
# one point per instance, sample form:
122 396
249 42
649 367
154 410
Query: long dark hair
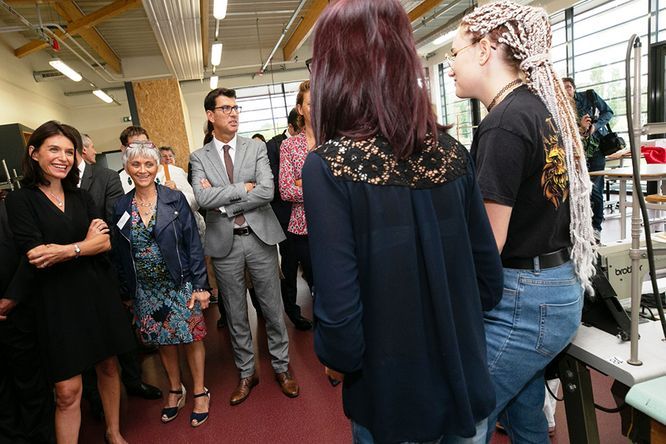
367 77
33 176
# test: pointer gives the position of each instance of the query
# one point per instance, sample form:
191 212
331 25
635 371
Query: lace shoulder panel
372 161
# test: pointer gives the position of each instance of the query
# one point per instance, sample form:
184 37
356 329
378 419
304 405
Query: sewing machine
616 262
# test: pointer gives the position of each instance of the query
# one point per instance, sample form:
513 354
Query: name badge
123 220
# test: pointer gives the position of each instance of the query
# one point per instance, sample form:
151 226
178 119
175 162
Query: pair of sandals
196 419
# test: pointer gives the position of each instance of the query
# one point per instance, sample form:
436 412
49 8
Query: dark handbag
611 142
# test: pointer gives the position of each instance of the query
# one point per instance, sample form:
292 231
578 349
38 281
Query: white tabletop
607 354
652 171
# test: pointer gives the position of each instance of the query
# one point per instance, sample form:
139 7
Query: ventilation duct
177 28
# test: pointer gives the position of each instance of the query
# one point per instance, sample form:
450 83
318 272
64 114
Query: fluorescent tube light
65 69
220 9
102 95
445 37
216 54
213 81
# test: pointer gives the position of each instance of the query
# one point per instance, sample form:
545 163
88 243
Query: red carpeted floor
268 416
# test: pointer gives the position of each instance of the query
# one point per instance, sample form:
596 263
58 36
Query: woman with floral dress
162 268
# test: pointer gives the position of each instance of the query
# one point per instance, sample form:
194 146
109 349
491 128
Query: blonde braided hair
525 33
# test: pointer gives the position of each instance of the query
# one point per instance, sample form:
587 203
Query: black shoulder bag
611 142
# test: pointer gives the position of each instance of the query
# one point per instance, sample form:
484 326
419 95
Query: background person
282 210
534 181
259 137
403 255
88 153
59 228
293 152
593 116
159 251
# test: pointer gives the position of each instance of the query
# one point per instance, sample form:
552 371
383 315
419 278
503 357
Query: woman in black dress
81 322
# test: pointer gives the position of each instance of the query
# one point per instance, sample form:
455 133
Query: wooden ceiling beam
205 24
82 24
422 9
71 12
304 28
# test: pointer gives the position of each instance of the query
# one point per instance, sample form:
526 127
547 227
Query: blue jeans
361 435
597 163
537 317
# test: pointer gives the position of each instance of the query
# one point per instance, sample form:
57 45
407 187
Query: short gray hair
87 141
141 149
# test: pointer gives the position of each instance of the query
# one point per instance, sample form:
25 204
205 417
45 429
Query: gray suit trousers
262 263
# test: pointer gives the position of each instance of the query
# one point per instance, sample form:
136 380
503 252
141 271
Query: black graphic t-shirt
520 163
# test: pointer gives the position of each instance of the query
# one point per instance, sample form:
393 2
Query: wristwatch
77 251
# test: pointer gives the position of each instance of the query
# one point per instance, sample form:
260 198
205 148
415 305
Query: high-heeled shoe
196 419
170 413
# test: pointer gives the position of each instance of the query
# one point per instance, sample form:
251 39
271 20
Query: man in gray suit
232 179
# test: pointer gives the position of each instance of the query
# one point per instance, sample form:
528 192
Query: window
454 111
266 108
601 35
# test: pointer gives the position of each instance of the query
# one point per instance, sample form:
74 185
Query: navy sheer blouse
404 263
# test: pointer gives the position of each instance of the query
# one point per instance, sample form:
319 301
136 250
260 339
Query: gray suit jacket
104 186
250 165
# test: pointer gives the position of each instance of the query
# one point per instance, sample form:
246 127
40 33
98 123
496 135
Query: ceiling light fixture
213 81
216 54
65 69
220 9
102 95
445 37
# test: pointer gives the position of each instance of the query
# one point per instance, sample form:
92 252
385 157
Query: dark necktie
229 165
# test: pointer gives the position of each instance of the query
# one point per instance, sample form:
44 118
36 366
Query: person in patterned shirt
293 152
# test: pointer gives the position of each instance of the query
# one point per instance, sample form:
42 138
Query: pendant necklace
502 91
59 202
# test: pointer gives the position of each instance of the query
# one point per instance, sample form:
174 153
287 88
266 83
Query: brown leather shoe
288 384
243 389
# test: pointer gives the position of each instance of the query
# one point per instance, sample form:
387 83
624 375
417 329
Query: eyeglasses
451 57
308 62
226 109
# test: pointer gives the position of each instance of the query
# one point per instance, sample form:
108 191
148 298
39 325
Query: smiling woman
159 249
58 228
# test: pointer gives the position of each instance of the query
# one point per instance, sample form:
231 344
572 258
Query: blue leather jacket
177 237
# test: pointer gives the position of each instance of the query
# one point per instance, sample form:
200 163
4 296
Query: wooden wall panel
160 110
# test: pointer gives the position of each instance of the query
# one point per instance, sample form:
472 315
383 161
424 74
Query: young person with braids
533 177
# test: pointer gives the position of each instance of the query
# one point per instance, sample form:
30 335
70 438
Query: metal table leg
578 401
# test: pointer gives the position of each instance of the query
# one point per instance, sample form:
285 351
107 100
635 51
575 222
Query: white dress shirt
219 146
232 150
82 168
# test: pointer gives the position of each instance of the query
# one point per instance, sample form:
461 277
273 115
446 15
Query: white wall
32 103
103 122
24 100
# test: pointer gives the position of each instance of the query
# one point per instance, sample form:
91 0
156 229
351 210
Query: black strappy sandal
170 413
196 419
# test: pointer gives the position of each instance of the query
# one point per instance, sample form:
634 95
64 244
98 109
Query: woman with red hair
403 256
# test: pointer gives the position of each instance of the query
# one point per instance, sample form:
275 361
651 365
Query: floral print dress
160 307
